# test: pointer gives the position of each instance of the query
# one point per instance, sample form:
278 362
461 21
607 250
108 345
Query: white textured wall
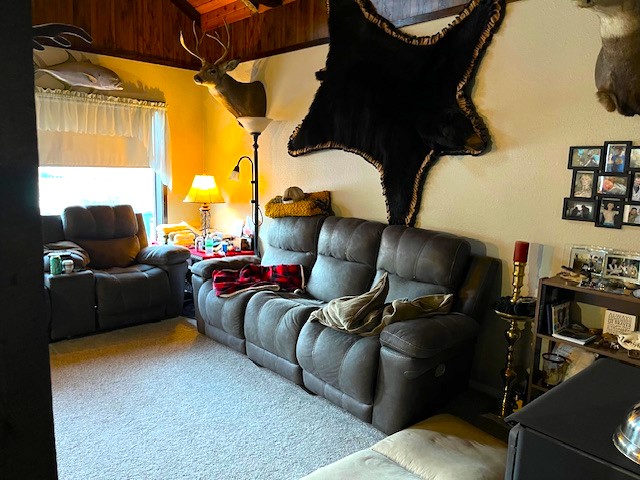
536 91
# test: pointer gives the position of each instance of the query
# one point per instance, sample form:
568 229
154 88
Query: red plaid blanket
287 278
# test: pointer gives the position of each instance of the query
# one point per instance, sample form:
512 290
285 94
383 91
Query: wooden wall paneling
149 16
126 25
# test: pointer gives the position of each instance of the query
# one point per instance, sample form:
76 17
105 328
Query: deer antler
54 32
198 41
216 37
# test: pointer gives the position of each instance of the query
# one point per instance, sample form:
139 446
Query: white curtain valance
86 129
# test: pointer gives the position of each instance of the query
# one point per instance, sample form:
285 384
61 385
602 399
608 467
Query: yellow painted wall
185 101
536 91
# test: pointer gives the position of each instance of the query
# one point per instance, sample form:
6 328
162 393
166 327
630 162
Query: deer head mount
617 72
241 99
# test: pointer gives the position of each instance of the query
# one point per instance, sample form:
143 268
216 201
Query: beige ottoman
440 448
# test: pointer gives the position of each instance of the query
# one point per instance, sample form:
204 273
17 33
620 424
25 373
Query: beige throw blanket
367 314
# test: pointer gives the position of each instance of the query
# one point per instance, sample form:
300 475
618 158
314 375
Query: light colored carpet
160 401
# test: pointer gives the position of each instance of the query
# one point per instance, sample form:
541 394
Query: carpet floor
160 401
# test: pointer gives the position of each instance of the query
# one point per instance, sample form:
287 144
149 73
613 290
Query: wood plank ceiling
148 30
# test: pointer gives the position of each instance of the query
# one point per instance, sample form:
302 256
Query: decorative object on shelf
630 341
241 99
314 203
617 71
627 436
255 126
205 191
404 102
619 323
508 309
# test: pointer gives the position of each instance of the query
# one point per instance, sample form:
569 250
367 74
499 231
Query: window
61 187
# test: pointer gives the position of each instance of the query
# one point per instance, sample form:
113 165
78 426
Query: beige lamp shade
204 190
254 124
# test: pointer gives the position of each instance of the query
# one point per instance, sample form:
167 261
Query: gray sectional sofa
391 380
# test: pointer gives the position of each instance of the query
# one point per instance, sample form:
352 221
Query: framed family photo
583 184
631 215
634 158
609 213
616 159
634 192
585 157
576 209
612 185
581 256
622 267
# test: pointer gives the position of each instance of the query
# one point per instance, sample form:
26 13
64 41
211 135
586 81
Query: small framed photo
631 215
609 213
612 185
585 157
622 267
581 256
634 158
575 209
634 191
616 159
583 184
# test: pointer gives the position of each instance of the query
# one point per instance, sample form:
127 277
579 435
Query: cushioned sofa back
51 229
293 241
347 251
108 234
421 262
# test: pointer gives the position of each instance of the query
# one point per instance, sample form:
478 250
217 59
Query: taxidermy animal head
241 99
618 66
73 73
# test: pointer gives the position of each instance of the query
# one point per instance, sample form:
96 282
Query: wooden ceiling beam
212 5
185 7
235 11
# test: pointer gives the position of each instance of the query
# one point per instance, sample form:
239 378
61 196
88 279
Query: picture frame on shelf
586 157
583 210
613 185
623 267
609 212
634 158
616 156
619 323
634 189
580 256
583 184
560 316
631 215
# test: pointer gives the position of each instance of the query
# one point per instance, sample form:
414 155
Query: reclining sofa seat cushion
289 241
347 251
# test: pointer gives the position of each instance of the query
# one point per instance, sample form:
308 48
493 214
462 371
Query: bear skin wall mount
397 100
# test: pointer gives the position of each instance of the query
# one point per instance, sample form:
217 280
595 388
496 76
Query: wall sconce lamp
255 126
205 191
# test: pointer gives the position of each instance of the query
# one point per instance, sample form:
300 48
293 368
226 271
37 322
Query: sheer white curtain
80 129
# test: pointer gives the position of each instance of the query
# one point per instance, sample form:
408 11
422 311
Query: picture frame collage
605 186
607 264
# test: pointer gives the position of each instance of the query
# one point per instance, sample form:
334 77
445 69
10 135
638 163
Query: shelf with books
556 296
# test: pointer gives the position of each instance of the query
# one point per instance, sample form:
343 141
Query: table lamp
205 191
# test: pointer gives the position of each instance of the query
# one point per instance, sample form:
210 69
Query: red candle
521 252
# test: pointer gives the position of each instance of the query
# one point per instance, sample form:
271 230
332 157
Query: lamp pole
256 208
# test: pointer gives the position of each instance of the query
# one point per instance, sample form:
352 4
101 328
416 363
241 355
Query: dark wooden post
27 448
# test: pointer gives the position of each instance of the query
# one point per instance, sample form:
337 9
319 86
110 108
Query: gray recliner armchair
118 280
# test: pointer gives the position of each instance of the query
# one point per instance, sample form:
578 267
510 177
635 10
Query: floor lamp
205 191
255 126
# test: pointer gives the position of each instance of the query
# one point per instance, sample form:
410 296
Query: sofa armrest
206 268
163 255
66 249
426 337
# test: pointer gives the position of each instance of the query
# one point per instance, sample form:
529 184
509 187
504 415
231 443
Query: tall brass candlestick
512 335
